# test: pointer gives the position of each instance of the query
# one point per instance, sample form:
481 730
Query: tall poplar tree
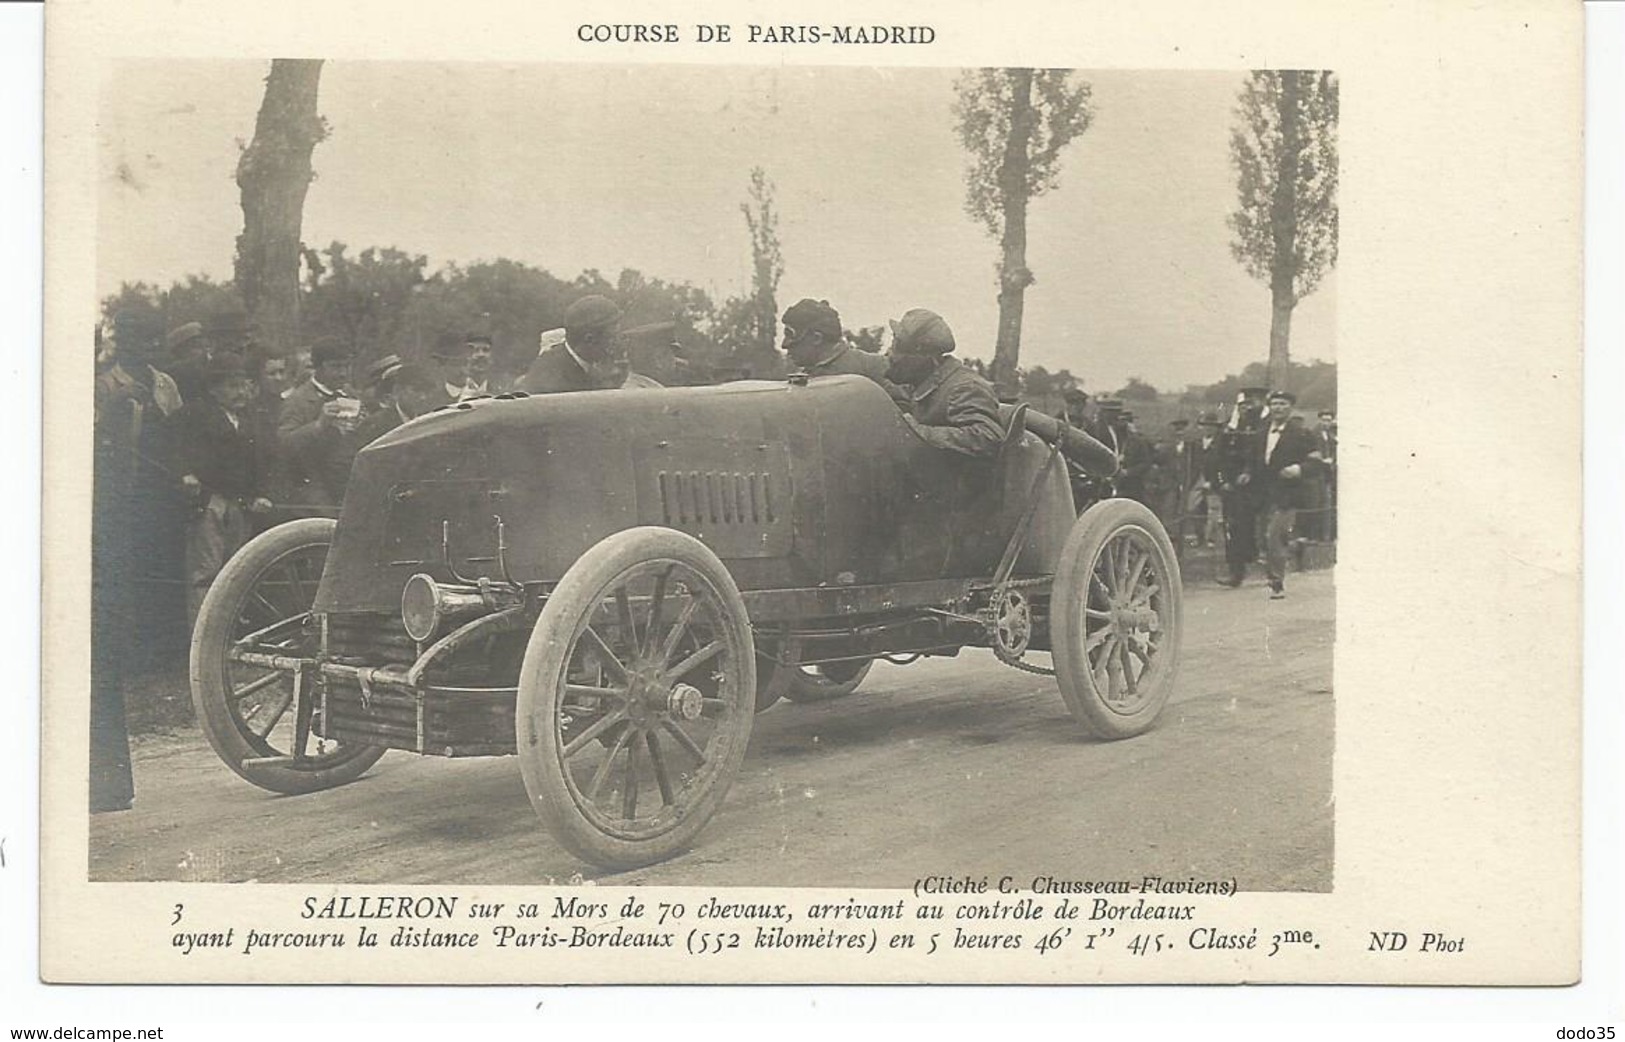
1284 147
767 268
1014 124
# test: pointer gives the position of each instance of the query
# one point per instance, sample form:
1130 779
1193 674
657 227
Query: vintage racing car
610 585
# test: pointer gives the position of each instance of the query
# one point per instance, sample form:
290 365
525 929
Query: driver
954 408
815 344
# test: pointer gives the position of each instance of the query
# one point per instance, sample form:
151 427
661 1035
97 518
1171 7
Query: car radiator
447 716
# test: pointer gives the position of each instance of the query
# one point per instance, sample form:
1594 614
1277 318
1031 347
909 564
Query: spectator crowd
1256 483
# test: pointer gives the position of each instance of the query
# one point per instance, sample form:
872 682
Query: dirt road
948 766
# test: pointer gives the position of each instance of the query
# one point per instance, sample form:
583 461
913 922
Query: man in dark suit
1137 480
1279 465
1107 428
481 380
1322 489
1242 513
1075 408
586 359
317 431
1174 478
264 417
450 358
1202 500
402 391
222 469
1075 412
135 534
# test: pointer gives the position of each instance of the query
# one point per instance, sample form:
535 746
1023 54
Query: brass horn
427 605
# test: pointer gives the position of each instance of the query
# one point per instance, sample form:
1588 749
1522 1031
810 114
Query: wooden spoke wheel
260 602
636 698
1116 618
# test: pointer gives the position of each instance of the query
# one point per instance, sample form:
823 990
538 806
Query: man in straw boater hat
953 408
401 391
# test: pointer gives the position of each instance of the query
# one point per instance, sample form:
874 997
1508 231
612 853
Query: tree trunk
1280 336
273 174
1284 226
1014 278
764 357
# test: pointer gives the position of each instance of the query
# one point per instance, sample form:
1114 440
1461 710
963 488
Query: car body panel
794 486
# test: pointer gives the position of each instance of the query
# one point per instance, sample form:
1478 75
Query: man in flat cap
815 344
223 472
1277 465
587 359
186 352
953 408
317 432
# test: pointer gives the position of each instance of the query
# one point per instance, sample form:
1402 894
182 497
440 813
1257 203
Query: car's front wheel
636 698
1116 616
260 602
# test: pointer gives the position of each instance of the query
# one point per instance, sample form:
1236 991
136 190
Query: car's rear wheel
1116 618
636 698
261 602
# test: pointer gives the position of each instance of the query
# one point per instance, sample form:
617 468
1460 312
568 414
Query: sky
569 167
